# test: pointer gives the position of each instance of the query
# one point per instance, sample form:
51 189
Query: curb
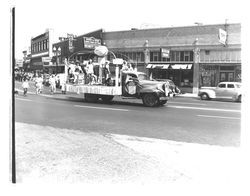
188 95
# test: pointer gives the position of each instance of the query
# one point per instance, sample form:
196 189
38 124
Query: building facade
191 56
41 50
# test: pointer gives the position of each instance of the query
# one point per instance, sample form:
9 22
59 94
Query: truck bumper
163 98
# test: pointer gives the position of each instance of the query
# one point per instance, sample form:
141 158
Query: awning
168 66
157 66
181 66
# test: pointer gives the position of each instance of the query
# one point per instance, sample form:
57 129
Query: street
183 119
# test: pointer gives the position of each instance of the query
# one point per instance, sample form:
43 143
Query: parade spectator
52 82
63 83
25 86
39 84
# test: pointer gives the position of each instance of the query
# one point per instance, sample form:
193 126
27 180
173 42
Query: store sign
165 53
46 59
117 61
91 42
222 36
71 39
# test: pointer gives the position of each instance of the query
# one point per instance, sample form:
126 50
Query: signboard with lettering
165 53
71 39
222 36
118 61
46 59
91 42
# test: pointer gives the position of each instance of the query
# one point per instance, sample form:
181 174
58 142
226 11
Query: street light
57 52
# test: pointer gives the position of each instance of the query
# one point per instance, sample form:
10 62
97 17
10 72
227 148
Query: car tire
150 100
204 96
239 98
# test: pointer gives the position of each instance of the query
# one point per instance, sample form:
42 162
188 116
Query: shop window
172 55
191 55
207 52
155 56
182 56
186 56
226 68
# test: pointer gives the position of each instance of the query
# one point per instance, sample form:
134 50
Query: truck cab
137 84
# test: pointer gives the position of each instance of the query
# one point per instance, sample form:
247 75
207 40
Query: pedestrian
52 82
63 83
39 84
25 86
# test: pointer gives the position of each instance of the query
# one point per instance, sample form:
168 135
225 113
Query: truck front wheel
150 100
162 102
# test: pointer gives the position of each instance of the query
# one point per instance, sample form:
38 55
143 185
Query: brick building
191 56
41 50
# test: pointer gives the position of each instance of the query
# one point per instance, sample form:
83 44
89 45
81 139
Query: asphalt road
182 119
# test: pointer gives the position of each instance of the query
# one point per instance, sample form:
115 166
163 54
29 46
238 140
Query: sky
80 17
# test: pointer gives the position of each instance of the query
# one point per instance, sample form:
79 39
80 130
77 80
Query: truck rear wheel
150 100
91 97
107 98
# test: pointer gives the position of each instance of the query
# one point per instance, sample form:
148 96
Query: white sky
81 16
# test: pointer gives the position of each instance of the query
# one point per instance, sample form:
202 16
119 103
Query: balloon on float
101 50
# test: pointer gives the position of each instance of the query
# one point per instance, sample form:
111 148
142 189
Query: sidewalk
187 95
48 154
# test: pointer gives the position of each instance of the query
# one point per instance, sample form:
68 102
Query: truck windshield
142 76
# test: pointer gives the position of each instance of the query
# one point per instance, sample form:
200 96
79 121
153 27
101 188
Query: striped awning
157 66
168 66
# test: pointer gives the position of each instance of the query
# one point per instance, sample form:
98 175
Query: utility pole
196 69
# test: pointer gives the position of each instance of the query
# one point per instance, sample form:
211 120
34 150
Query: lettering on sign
91 42
165 53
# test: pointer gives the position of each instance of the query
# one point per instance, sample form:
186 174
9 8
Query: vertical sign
71 38
222 36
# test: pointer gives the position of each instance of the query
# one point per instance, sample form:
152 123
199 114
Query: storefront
180 74
212 74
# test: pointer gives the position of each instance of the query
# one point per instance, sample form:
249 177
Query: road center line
23 99
186 103
101 108
198 108
207 116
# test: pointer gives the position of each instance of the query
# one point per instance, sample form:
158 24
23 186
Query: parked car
224 90
172 86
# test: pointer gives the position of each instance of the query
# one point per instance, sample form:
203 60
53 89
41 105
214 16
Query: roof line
173 27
